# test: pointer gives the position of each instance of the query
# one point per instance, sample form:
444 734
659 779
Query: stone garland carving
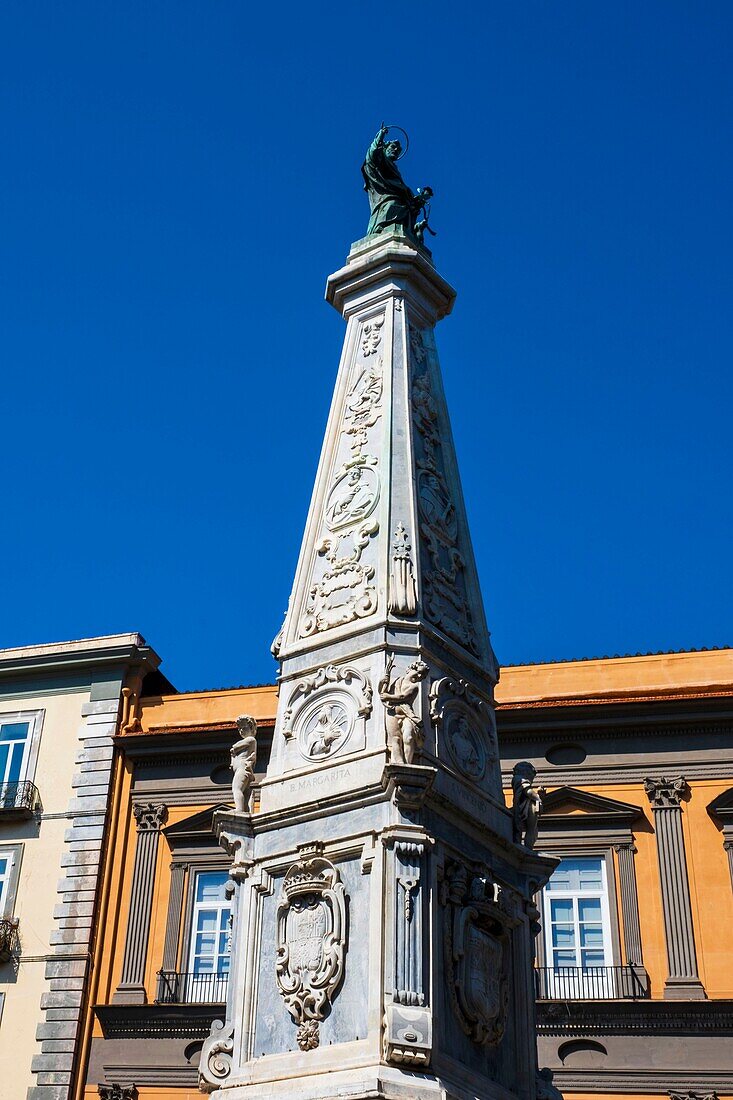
404 727
244 757
466 724
526 804
311 941
476 928
403 589
444 588
215 1063
371 336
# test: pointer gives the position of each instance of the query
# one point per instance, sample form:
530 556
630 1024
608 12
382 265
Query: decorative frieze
117 1092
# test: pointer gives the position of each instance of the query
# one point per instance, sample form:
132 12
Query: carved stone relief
402 586
477 951
465 723
311 941
215 1064
444 597
344 590
403 725
326 725
325 710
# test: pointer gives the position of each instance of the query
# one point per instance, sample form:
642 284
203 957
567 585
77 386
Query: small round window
565 754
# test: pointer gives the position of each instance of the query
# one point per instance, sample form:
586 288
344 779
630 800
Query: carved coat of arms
311 942
477 952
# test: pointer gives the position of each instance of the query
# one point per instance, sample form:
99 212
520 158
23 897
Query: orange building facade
634 968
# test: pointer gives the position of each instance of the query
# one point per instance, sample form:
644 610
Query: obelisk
383 912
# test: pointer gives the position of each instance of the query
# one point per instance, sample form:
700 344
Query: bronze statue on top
391 201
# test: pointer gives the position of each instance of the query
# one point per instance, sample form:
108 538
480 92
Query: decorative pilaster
173 923
629 902
683 982
150 818
408 1022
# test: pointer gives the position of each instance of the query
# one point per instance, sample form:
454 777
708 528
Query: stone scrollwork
477 951
215 1064
345 591
311 941
466 725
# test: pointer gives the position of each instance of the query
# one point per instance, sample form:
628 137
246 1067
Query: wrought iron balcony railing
8 937
590 983
19 799
185 988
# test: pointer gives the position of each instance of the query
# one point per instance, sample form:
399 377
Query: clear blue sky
179 179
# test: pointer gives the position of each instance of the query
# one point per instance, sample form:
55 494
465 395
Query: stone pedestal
382 911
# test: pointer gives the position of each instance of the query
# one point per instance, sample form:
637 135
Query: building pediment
198 827
722 807
569 807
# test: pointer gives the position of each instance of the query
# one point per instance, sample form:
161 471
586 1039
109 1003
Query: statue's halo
407 140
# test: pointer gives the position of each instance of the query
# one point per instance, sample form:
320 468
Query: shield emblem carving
311 941
477 952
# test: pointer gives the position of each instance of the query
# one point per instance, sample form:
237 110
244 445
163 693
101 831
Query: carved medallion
477 952
353 497
466 726
465 744
326 725
311 941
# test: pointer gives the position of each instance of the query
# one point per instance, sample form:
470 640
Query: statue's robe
390 199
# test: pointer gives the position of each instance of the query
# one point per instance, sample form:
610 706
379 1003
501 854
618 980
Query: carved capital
665 794
625 846
116 1091
150 816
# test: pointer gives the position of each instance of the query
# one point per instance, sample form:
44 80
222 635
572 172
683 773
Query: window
6 872
210 939
14 746
578 930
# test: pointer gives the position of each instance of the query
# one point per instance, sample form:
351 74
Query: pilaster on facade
683 981
150 818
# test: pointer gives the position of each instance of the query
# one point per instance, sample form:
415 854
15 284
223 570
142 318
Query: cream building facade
60 705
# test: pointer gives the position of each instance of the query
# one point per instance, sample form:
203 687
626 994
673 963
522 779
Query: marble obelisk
383 914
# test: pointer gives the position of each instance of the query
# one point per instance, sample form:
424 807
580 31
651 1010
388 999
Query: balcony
186 988
590 983
8 938
19 800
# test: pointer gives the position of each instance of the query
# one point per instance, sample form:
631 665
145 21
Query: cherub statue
527 804
404 727
244 757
